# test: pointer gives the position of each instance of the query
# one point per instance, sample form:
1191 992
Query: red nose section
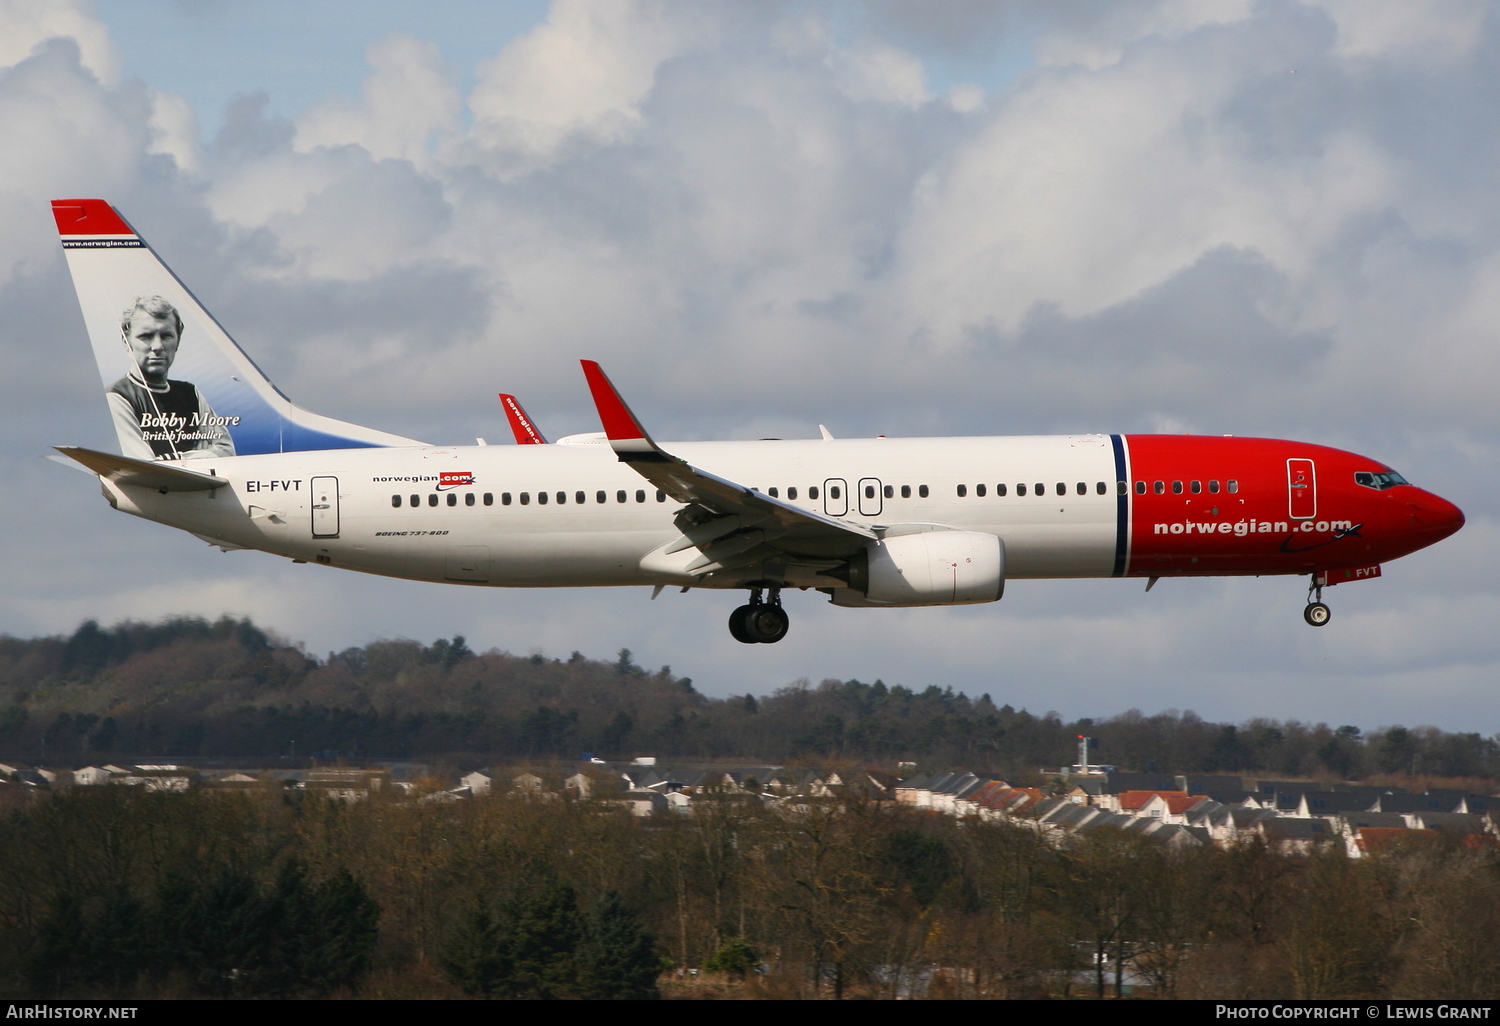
1435 517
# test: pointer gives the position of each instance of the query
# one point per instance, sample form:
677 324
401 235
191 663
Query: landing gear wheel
1317 614
766 624
737 628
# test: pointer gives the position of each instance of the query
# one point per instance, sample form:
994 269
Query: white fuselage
339 506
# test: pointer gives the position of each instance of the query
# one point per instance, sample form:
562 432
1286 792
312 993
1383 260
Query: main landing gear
1316 613
762 622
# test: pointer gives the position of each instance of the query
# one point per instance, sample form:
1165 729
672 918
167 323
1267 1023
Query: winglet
520 424
626 436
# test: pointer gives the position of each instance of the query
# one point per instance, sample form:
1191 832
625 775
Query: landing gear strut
1316 613
761 622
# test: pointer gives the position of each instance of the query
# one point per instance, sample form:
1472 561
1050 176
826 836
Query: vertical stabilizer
521 425
178 386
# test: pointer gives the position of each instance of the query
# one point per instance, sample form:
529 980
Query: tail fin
521 425
144 323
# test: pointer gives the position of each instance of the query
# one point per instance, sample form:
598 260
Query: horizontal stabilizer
123 470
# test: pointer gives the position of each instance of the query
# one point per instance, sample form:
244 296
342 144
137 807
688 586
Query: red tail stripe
88 217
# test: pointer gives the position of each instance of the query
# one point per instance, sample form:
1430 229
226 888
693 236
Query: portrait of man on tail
158 418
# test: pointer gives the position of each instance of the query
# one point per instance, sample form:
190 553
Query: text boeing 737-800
210 446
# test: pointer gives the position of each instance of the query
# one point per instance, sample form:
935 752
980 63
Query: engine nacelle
927 568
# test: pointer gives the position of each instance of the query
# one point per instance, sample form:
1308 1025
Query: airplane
210 446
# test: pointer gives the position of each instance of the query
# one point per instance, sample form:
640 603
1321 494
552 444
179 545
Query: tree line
191 687
114 892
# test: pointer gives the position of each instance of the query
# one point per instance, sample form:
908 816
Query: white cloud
408 99
1100 40
874 70
582 74
1441 29
28 23
174 130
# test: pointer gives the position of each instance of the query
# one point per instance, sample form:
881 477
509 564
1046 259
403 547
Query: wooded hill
188 687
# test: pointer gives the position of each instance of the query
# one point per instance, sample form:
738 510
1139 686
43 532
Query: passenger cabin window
1020 489
541 498
869 491
562 497
1102 488
1140 488
453 498
1000 490
525 498
773 493
1159 487
812 492
835 492
468 498
489 498
1062 488
1041 490
963 490
640 495
791 493
432 499
1379 480
1083 488
396 501
416 500
921 492
505 498
620 495
580 497
1196 487
661 496
906 491
1233 486
601 496
890 492
1213 488
979 490
1176 487
1122 487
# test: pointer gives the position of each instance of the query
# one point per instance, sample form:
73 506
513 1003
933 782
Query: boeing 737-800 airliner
210 446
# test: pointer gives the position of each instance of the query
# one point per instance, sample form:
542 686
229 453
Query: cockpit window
1379 481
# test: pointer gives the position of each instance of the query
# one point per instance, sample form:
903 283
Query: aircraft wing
164 477
730 524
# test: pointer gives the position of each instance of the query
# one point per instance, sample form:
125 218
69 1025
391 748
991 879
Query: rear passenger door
325 507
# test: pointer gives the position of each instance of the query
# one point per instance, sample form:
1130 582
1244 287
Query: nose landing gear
760 622
1316 613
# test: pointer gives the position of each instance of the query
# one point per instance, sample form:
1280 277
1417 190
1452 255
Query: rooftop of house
1131 800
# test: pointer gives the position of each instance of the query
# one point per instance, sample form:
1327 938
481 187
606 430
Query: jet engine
928 567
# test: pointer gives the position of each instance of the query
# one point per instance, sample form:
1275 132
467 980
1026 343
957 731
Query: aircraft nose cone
1436 516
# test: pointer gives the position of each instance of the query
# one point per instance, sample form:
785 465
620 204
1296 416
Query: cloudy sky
972 217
